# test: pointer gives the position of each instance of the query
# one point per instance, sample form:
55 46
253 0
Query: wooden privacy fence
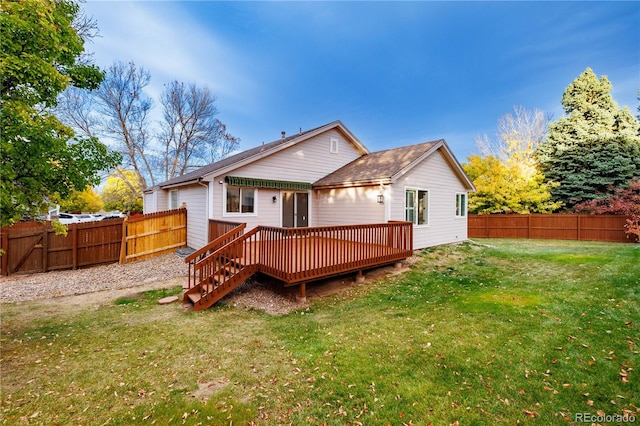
34 247
153 234
583 227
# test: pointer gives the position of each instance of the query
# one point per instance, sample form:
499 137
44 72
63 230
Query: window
333 148
417 206
173 199
461 205
240 200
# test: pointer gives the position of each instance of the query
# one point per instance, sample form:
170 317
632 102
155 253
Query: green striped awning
267 183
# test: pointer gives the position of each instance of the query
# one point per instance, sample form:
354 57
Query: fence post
579 225
74 247
123 246
45 248
529 226
4 256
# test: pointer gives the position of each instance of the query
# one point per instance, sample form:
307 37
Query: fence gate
27 247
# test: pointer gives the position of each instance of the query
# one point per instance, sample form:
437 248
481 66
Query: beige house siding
266 213
306 161
195 198
150 202
434 175
343 206
156 201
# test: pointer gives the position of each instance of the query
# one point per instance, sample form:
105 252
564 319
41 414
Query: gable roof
385 167
245 157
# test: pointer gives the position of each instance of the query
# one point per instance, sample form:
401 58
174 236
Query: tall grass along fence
34 247
583 227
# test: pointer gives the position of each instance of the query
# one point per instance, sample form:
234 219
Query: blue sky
395 73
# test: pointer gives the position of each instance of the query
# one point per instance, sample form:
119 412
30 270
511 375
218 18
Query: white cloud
162 38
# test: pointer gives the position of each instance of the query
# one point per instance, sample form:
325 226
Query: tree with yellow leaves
505 173
123 192
83 201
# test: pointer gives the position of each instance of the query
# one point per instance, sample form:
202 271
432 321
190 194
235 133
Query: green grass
500 332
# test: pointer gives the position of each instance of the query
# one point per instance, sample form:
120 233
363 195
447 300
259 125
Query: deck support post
360 277
302 297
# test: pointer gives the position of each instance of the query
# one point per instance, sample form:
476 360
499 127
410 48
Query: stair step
194 297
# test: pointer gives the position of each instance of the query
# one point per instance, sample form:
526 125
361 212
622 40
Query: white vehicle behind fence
67 218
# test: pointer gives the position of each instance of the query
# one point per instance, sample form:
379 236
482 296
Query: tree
40 56
623 201
595 148
506 176
82 201
503 188
124 116
123 192
518 137
192 136
189 136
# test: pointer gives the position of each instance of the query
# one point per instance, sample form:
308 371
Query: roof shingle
379 166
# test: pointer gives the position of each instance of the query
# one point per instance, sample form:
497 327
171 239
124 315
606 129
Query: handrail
295 255
213 245
219 272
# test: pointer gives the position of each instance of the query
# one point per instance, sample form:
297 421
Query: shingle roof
379 166
237 158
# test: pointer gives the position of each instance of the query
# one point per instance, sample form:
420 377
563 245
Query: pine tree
595 148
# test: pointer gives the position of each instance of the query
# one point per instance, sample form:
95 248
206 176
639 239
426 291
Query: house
324 176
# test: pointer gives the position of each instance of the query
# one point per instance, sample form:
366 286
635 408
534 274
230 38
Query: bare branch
191 134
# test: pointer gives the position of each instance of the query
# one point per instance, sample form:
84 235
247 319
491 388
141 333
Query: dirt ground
260 292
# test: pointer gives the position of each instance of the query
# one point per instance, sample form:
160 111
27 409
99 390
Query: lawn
487 332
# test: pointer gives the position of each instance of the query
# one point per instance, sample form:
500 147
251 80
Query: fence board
34 247
583 227
155 233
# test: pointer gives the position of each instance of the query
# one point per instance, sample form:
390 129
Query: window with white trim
173 199
333 147
240 200
461 205
417 206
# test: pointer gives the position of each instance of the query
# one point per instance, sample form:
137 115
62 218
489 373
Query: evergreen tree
595 148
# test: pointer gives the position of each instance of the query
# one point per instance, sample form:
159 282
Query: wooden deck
318 257
292 255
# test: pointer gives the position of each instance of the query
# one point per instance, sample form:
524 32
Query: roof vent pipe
284 134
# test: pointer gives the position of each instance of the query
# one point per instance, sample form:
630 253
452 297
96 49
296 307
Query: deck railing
230 235
218 228
229 260
296 255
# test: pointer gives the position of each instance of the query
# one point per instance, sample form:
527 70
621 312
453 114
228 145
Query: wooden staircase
216 272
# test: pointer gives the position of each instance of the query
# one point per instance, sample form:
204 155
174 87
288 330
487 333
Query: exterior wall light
274 199
381 199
